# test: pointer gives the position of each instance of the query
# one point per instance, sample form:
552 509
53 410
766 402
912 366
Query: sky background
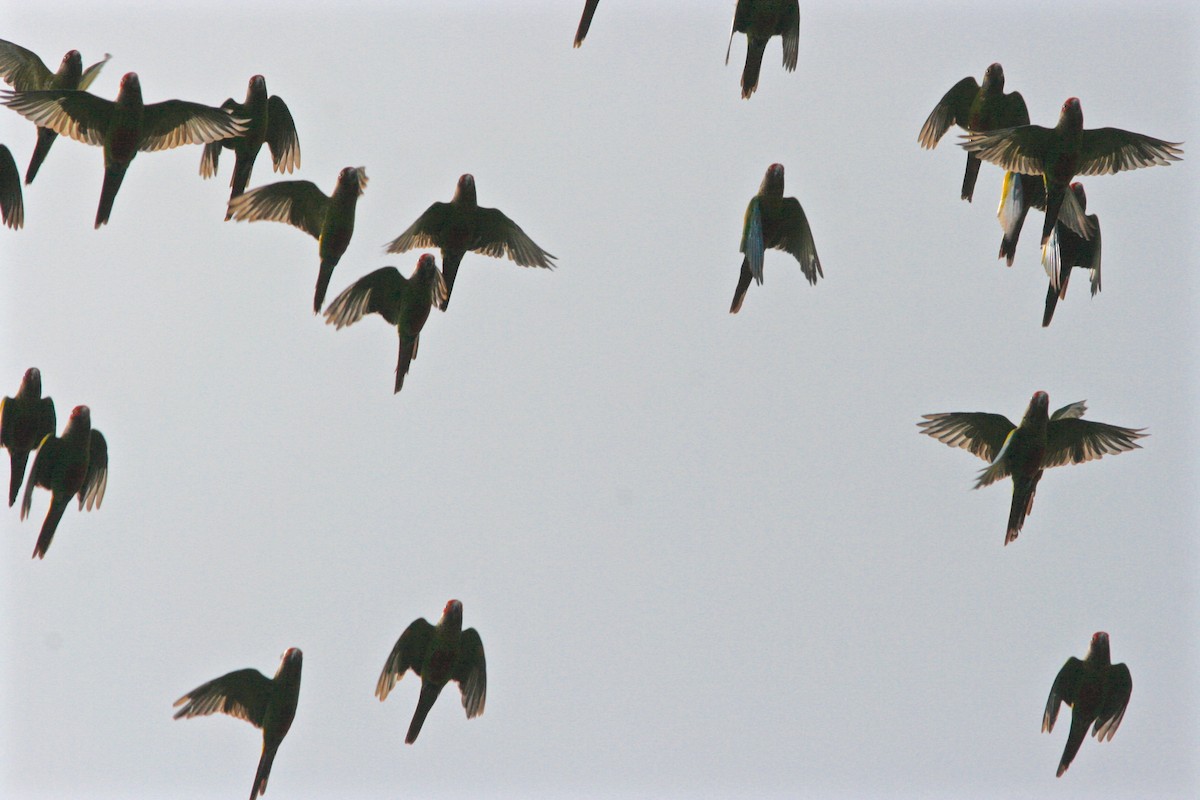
708 555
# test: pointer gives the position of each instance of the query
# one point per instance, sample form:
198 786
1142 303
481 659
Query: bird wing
1022 149
1108 150
951 109
1065 690
243 693
173 123
212 151
789 29
81 116
12 203
425 232
497 235
1092 253
1013 112
22 69
978 432
752 239
1114 697
796 238
282 138
377 292
741 20
1074 441
298 203
96 480
408 654
1071 410
91 73
43 470
470 670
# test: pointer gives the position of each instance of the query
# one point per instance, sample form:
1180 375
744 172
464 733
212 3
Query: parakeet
1097 691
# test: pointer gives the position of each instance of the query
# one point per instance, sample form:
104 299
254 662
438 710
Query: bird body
25 420
463 226
123 127
1060 153
327 218
266 703
75 463
268 121
438 654
25 72
1098 692
1023 452
403 302
776 222
760 20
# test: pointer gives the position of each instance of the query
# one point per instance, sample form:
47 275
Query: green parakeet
438 654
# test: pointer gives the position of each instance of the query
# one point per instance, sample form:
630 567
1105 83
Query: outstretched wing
470 670
796 238
243 693
173 123
91 73
282 138
22 69
408 654
377 292
1074 441
497 235
96 481
789 29
1108 150
78 115
1065 690
1114 697
298 203
1022 149
977 432
425 232
952 109
12 203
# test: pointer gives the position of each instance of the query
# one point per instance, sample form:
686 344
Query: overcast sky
708 555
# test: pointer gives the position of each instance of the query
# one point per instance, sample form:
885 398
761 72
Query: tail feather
264 771
1074 740
429 693
408 351
57 507
242 167
17 461
1051 304
450 264
755 46
1024 490
45 138
969 177
743 285
323 278
113 175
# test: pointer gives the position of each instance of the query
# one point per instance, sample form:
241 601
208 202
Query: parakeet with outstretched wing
25 72
75 463
438 654
404 302
463 226
1097 691
268 121
1060 153
974 107
266 703
328 219
1023 452
124 127
25 420
776 222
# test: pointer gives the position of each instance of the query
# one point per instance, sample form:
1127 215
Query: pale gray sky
708 555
